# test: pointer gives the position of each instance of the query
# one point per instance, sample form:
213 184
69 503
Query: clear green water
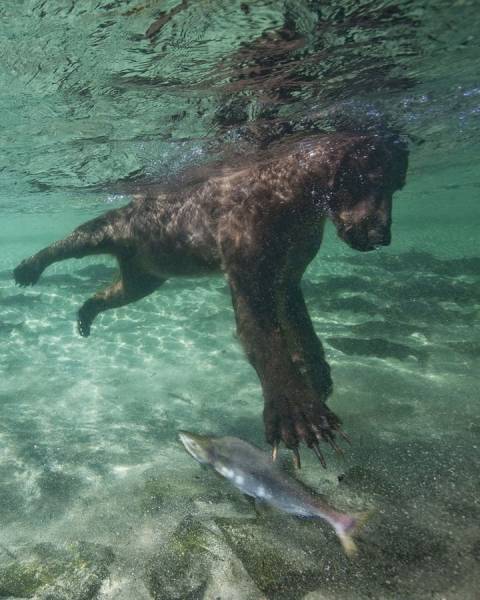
88 449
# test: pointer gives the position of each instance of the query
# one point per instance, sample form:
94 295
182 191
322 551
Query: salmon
254 473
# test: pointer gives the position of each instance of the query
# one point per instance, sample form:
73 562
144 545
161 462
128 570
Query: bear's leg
133 284
294 411
94 237
305 347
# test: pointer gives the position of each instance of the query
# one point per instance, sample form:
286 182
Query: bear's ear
349 159
367 154
342 153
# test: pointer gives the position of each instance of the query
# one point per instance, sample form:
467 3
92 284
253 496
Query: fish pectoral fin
258 505
261 507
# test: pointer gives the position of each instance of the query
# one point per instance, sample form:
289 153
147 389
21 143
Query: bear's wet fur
260 222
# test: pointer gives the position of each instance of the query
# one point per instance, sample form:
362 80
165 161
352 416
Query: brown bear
261 223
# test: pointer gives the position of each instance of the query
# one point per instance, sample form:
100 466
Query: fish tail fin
347 526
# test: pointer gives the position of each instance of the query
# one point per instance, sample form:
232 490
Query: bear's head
365 172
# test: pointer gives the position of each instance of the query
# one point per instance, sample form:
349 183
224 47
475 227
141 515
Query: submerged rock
244 559
286 558
56 572
281 558
197 563
181 570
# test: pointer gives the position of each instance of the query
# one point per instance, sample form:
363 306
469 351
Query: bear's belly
165 262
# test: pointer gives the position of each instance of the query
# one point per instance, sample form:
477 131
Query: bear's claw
292 423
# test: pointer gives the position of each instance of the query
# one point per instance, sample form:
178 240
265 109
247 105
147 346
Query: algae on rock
195 563
47 571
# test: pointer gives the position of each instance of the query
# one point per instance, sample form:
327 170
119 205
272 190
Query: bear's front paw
294 419
27 272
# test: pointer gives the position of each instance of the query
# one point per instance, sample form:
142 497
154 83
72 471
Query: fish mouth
196 445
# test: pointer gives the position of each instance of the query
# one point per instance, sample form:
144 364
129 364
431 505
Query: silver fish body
253 472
